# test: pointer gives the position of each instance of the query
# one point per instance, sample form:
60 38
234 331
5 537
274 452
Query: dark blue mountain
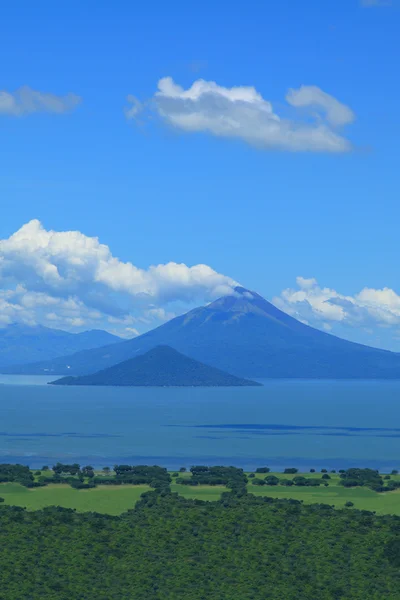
245 335
160 367
21 344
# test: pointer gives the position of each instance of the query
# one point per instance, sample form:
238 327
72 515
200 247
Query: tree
88 471
325 476
312 470
290 471
106 470
263 470
271 480
258 481
299 480
286 482
182 470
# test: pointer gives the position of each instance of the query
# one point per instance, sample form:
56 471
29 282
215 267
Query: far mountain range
21 344
241 334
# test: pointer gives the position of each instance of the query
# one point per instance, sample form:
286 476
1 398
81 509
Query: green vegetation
112 500
370 478
168 547
232 477
199 492
115 491
190 538
336 495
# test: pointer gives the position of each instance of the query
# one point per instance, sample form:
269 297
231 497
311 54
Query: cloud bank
71 280
242 113
67 280
324 306
26 101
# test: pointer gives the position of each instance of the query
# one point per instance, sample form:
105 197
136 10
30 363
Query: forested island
160 367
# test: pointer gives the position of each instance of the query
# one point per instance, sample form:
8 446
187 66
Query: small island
160 367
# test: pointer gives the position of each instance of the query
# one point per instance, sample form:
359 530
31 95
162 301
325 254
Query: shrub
271 480
287 482
299 480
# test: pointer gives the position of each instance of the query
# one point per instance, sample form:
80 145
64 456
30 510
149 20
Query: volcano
244 335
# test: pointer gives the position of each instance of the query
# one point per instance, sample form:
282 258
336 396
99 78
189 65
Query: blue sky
155 191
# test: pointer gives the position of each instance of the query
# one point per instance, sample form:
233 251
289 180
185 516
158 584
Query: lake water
304 424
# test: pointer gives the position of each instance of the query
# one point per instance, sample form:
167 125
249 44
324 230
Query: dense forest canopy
167 548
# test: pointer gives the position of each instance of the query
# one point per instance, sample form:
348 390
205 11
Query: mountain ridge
20 344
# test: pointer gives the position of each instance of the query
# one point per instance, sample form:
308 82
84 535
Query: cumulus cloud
73 279
323 306
241 112
25 101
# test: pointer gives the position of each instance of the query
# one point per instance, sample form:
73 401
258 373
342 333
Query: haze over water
306 424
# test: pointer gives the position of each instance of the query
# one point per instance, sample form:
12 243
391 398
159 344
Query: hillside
160 367
245 335
21 343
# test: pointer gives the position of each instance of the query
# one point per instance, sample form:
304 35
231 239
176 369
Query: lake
303 424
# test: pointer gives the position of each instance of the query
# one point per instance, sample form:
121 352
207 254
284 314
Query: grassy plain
336 495
115 500
108 499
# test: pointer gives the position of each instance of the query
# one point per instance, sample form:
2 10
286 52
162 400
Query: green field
112 500
336 495
199 492
115 500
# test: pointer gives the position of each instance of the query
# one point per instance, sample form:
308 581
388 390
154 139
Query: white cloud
241 112
25 101
312 96
325 306
72 279
160 314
